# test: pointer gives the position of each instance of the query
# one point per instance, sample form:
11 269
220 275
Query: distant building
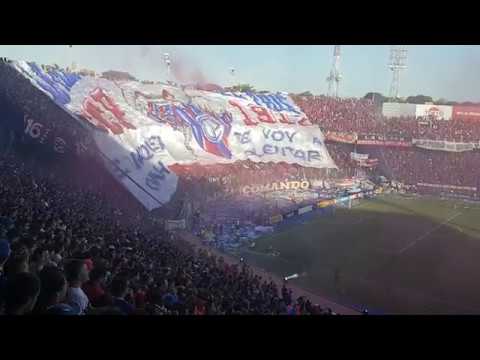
87 72
118 76
209 87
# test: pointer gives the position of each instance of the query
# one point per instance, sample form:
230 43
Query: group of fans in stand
65 250
410 165
362 116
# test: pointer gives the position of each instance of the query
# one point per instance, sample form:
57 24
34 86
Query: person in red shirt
199 308
89 264
94 287
140 298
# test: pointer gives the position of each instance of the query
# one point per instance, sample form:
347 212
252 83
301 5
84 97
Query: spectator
53 294
93 288
200 308
155 305
119 290
21 293
38 260
29 243
77 274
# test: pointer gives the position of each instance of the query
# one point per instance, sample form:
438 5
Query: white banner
175 224
142 129
436 112
443 145
305 209
448 187
358 157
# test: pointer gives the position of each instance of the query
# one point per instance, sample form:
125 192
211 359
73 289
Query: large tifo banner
142 129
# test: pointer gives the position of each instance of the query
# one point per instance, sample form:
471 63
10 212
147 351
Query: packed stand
361 116
339 114
413 166
63 251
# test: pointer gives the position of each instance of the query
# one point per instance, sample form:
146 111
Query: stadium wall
324 207
398 109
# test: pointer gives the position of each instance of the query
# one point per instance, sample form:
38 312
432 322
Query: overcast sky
450 72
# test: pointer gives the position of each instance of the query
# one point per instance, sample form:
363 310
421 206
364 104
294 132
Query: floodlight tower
232 74
69 58
166 58
334 78
398 62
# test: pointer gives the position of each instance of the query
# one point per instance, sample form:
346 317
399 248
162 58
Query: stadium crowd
361 116
63 250
411 165
339 114
70 248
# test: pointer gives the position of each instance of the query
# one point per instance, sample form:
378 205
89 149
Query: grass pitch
391 254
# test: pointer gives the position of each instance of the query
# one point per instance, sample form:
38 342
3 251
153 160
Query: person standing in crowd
38 260
93 288
199 307
53 294
77 274
21 294
119 290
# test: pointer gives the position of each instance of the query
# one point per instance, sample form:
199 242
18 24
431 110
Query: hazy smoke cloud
183 68
186 70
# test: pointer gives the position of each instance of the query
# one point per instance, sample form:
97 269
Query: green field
392 254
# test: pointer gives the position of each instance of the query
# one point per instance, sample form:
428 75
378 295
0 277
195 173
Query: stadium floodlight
69 58
398 62
166 58
232 73
335 77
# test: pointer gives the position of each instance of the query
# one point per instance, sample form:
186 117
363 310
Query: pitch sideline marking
454 216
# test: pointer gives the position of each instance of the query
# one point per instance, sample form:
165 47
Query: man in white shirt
76 273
